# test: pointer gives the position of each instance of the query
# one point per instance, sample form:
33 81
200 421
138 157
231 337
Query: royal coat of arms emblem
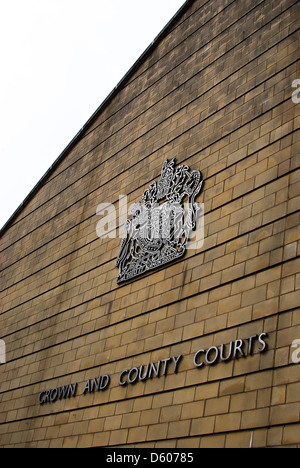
160 228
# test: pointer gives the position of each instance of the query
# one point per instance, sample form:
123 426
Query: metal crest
159 229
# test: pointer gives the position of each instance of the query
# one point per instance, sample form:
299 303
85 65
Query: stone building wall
215 92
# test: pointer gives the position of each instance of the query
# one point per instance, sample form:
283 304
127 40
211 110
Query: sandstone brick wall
214 93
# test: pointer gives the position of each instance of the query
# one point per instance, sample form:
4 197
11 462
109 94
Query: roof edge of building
102 106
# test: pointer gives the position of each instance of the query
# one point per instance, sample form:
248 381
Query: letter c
200 364
41 401
120 379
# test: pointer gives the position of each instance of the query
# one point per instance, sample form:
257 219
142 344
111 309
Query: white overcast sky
59 61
